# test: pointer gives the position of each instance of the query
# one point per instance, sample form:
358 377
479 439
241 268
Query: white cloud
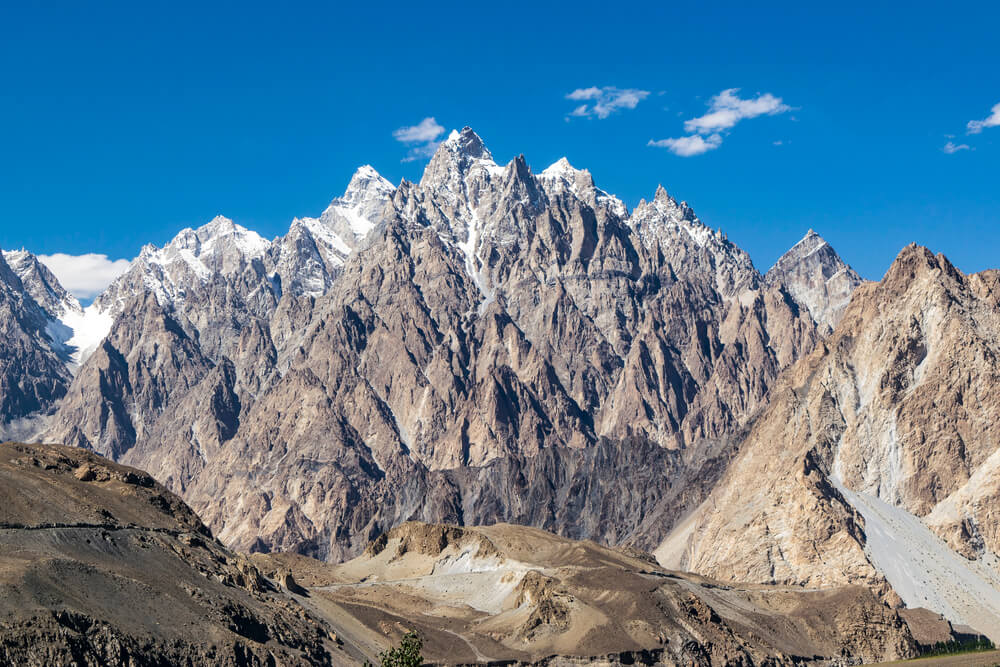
426 130
688 146
726 109
993 120
604 101
422 138
85 276
951 147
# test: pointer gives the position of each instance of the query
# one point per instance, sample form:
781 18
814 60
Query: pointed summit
222 235
41 283
817 277
367 184
455 157
560 167
662 195
468 143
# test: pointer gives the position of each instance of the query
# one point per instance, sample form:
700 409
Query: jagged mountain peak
664 209
817 277
218 236
561 176
562 170
220 228
41 284
366 184
467 142
686 241
459 155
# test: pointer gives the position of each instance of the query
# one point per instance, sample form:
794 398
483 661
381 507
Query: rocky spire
816 277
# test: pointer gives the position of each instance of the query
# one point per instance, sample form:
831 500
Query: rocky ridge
487 315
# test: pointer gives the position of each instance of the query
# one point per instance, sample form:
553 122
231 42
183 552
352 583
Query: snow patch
89 327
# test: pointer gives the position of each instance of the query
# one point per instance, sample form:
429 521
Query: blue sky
121 124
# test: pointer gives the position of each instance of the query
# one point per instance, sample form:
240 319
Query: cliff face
33 375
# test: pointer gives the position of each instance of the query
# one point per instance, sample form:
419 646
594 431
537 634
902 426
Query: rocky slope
101 565
510 593
33 373
875 460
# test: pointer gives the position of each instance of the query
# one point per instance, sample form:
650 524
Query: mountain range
496 345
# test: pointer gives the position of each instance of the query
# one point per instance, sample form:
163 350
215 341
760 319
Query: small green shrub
407 654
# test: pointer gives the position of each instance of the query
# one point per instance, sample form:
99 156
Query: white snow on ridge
322 232
562 174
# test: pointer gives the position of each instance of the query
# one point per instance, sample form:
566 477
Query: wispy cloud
688 146
422 138
993 120
85 276
725 110
951 147
606 100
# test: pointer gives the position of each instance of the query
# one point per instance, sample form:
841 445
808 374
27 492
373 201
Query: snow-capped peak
220 235
459 160
561 168
367 184
221 229
351 216
193 256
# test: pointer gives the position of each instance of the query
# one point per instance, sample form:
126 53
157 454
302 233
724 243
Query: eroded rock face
319 394
103 566
495 315
890 420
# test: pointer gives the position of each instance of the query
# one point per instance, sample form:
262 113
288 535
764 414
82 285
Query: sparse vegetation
953 647
407 654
